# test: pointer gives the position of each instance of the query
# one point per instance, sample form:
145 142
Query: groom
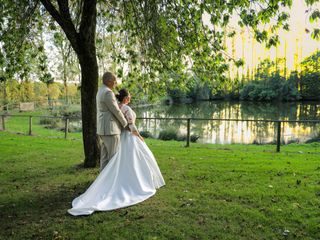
110 119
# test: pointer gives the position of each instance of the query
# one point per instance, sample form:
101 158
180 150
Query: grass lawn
19 123
211 192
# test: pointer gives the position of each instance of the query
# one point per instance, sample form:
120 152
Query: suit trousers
109 146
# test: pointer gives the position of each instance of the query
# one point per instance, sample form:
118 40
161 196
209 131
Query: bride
131 176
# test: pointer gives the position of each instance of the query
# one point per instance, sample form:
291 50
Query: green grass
211 192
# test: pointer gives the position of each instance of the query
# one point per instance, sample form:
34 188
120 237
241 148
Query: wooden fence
277 123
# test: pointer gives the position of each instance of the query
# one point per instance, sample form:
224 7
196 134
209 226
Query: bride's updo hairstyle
122 94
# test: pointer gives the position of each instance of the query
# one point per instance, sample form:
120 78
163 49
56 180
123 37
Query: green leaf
316 34
315 16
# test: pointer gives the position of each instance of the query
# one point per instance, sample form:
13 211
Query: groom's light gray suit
110 122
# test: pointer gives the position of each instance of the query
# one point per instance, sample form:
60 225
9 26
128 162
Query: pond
227 132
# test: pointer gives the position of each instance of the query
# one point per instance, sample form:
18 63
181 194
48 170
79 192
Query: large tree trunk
86 52
89 86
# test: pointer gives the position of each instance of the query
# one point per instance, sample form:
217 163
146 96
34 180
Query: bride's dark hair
122 94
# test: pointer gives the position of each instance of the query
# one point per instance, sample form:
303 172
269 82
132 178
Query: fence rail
278 123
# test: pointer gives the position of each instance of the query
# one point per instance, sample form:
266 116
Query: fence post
3 124
278 135
30 125
188 132
66 127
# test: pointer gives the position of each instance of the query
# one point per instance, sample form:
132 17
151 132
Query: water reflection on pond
236 131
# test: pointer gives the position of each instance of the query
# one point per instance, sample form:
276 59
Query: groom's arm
112 105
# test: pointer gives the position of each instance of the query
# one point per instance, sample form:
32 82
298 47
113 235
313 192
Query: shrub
273 88
246 90
290 92
194 138
169 134
146 134
48 121
310 86
179 137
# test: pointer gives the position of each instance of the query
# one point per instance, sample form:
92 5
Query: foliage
269 84
193 138
195 89
176 94
290 91
65 111
311 64
168 134
198 90
37 92
310 86
169 41
48 121
67 66
274 88
173 134
146 134
309 79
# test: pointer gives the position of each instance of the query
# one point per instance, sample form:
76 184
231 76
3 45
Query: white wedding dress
131 176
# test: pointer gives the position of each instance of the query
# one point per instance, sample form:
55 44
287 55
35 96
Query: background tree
310 77
67 66
44 74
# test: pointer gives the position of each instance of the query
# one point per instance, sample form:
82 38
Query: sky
295 38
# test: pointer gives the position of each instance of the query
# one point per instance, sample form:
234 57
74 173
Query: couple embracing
129 172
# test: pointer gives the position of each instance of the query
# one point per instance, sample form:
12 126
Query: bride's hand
142 139
136 133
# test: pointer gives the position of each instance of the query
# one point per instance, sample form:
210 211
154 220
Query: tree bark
89 82
89 86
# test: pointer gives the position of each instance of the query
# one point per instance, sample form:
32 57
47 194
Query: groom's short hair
108 76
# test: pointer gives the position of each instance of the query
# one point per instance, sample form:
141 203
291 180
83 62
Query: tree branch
64 20
64 9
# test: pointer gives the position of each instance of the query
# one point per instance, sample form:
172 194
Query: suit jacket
110 119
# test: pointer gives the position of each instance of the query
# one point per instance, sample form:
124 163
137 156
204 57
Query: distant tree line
39 92
269 83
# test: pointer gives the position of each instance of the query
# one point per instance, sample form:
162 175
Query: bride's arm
130 118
